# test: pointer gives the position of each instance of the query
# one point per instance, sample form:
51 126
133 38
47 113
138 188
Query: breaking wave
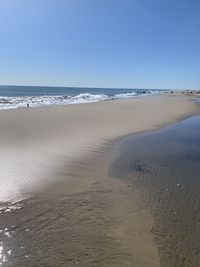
9 102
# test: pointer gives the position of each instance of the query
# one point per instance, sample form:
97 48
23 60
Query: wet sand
67 209
105 225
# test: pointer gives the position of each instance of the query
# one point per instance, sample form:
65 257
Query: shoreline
21 101
83 199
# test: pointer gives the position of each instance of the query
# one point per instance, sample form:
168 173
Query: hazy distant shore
55 160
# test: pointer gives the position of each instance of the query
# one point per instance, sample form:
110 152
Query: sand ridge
35 142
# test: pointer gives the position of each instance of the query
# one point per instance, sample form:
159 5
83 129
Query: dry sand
56 159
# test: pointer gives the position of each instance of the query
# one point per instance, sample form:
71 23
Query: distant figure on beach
27 105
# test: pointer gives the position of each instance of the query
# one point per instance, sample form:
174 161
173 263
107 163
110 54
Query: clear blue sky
100 43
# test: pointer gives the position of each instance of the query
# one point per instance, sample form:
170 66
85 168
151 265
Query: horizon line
95 87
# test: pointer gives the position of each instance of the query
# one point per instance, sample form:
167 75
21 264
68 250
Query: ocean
37 96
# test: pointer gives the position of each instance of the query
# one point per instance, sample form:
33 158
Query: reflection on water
9 208
62 230
8 233
2 254
5 252
165 166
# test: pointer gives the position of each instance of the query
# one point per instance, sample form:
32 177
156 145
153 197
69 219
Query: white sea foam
7 102
128 95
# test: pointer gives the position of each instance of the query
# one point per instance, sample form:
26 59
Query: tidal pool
165 166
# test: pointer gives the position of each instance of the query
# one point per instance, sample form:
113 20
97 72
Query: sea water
36 96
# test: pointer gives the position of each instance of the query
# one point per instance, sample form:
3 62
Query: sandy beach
55 190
